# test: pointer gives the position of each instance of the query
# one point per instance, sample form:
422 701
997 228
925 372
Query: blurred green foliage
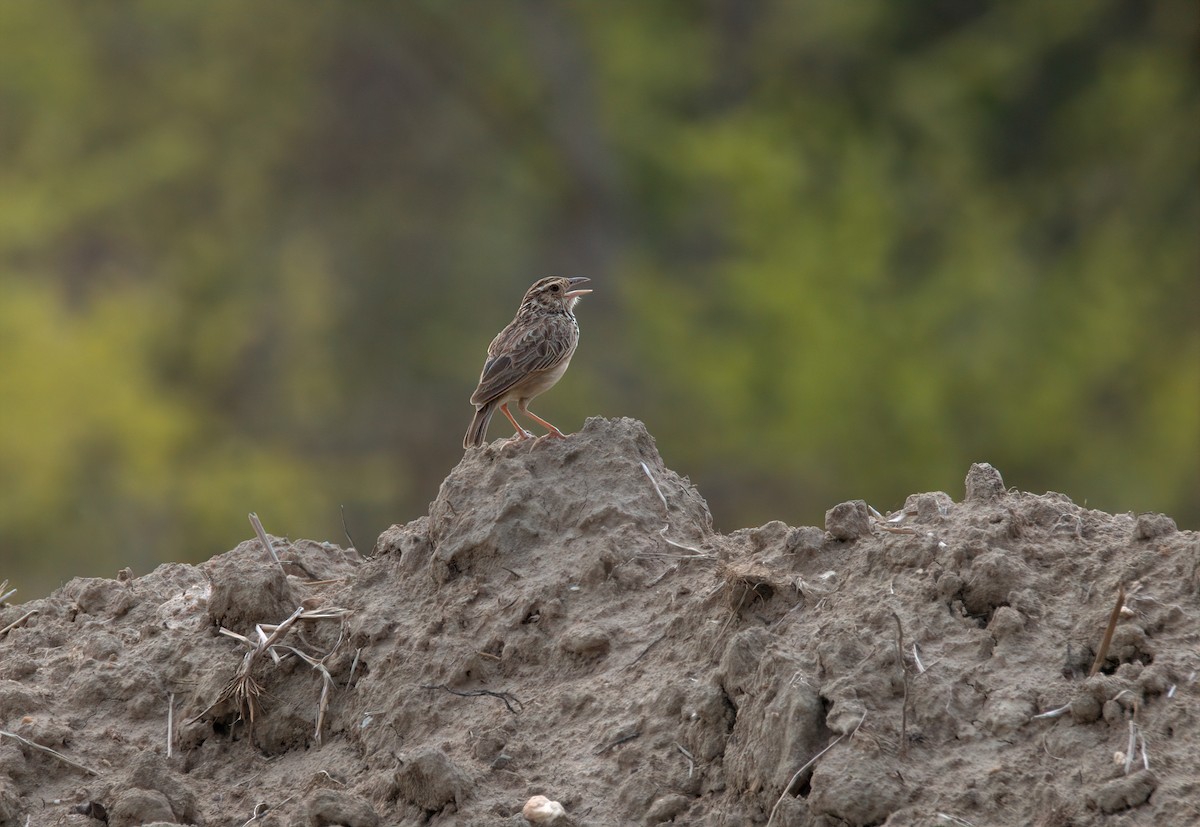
251 254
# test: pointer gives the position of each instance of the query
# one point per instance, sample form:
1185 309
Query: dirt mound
565 622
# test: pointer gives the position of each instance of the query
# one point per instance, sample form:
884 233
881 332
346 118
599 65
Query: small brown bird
528 356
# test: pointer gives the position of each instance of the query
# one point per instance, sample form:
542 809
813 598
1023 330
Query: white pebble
541 810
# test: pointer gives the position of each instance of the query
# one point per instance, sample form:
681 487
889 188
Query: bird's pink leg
521 432
554 432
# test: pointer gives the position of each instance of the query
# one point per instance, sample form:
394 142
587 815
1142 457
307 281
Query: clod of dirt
430 780
333 807
993 577
136 807
150 772
1123 793
848 521
1150 526
984 484
857 787
566 618
10 806
244 594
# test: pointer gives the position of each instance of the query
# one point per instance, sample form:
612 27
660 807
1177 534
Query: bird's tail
477 432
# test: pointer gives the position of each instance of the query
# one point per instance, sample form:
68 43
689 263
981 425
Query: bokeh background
251 254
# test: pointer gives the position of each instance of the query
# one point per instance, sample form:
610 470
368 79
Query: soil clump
566 622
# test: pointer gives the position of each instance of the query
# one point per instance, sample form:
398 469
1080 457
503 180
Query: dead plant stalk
1106 641
243 689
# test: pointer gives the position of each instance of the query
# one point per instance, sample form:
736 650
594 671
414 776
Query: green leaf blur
251 254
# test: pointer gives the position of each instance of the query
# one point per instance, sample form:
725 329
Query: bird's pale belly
537 384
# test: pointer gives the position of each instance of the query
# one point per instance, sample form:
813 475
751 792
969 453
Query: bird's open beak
575 283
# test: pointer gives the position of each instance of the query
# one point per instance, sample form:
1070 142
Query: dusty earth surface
565 622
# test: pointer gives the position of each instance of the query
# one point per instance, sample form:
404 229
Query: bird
528 356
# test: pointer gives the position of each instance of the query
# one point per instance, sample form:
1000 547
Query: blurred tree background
251 254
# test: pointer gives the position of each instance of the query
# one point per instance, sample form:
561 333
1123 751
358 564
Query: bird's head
555 293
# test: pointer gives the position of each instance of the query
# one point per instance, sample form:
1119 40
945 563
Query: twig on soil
170 724
960 822
243 689
264 539
262 808
606 747
649 646
5 595
1132 747
1106 641
1046 750
917 659
18 622
326 683
5 733
354 666
795 777
904 676
346 528
1053 713
476 693
668 570
732 614
691 758
695 552
891 524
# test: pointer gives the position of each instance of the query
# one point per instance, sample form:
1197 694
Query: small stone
136 807
1085 708
1151 525
429 779
949 585
1129 642
330 807
1123 793
771 535
10 806
984 484
150 771
932 507
1129 671
995 574
541 810
804 539
666 809
1154 680
849 520
1006 622
586 640
245 593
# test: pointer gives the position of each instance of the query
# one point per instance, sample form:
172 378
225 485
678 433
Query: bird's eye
555 287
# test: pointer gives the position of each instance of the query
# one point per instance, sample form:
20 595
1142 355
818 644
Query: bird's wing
515 355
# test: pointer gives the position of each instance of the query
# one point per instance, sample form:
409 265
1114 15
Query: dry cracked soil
565 622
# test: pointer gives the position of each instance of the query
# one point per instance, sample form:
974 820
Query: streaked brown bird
528 357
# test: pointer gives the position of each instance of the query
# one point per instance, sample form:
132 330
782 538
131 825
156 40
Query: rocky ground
566 622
